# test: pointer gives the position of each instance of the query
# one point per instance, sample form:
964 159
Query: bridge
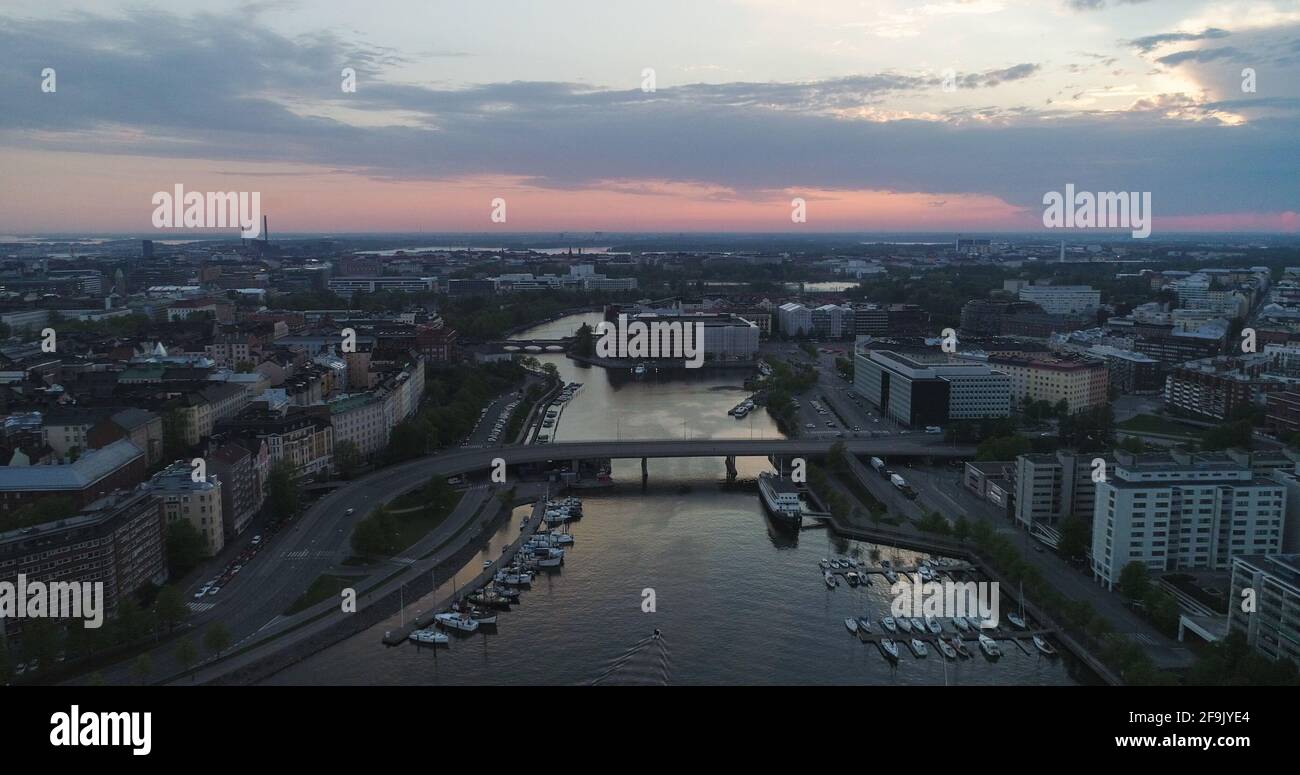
543 343
471 459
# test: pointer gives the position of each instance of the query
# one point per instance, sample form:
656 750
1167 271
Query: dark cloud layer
205 88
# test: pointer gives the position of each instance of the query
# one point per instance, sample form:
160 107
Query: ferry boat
781 499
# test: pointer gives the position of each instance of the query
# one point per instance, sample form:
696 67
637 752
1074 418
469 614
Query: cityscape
334 355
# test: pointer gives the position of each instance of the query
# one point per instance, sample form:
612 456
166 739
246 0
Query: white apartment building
1081 382
196 502
1273 628
363 419
1062 299
794 319
1183 510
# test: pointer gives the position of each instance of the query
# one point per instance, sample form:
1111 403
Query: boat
852 578
429 638
903 624
456 621
933 625
948 651
989 647
825 563
1042 645
959 647
864 624
482 616
782 500
851 624
918 648
889 624
889 648
639 370
831 581
961 624
1018 619
886 564
925 573
891 577
918 625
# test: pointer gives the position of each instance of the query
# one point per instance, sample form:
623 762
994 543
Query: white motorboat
455 621
864 624
891 577
852 578
429 637
948 651
825 563
989 647
1042 645
918 625
904 625
889 648
961 624
831 581
933 625
918 648
889 624
851 624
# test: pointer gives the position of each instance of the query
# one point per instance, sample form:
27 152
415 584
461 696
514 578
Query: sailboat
1018 619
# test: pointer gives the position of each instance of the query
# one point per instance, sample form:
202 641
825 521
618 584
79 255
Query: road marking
199 608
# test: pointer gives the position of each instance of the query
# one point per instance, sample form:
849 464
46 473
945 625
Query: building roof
88 469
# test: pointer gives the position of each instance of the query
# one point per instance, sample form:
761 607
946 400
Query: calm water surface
737 599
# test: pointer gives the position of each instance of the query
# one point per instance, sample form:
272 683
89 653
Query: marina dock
425 619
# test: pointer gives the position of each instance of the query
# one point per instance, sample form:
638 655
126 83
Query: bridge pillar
731 468
645 472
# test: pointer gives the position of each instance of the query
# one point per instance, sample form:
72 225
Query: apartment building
116 540
1130 371
1183 511
1062 299
196 502
794 319
1052 486
1218 387
1273 628
1082 383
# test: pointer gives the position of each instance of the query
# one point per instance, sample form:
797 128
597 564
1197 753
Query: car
351 512
257 539
809 426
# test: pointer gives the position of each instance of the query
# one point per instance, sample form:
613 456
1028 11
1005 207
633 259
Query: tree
584 344
282 490
347 458
141 668
1076 536
186 547
216 639
1003 448
1134 580
186 654
170 607
961 528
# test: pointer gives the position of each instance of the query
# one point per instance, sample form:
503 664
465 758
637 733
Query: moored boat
889 624
989 647
889 648
918 648
851 624
1042 645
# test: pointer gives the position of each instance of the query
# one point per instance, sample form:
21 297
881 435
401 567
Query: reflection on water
738 599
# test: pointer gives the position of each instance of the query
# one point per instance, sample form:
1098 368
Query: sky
673 115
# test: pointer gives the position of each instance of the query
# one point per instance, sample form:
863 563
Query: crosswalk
1142 637
199 608
307 554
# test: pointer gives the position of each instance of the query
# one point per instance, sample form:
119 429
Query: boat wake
644 664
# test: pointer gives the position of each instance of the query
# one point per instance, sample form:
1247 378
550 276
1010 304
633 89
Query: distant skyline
892 116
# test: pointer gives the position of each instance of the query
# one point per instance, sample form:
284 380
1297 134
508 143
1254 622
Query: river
738 601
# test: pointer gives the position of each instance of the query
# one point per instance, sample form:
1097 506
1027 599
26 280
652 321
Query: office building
927 388
1062 299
